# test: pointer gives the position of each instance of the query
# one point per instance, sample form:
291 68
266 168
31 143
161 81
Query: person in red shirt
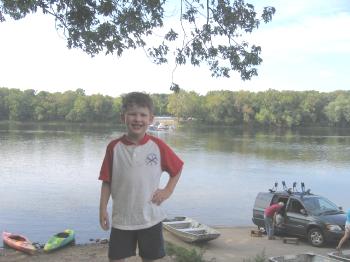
269 215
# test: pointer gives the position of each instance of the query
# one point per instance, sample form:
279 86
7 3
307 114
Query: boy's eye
135 114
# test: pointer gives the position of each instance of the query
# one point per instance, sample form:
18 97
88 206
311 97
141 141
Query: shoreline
234 244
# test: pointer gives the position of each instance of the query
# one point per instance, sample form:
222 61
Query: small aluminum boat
306 257
344 255
190 230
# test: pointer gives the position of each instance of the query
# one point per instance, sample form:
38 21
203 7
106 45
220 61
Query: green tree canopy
269 108
338 111
208 31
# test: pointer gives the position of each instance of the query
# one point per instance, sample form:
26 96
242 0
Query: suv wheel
315 237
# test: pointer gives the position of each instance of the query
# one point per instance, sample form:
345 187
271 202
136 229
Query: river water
48 173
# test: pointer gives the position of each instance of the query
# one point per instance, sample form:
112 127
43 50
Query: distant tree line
268 108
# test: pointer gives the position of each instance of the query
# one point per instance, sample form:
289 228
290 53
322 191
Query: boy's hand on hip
160 195
104 220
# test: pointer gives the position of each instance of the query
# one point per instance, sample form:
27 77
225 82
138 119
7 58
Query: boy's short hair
139 99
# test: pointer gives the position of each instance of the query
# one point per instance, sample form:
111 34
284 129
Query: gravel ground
234 244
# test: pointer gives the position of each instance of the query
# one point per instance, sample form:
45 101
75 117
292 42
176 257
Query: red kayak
18 242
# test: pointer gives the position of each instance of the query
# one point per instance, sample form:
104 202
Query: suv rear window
263 200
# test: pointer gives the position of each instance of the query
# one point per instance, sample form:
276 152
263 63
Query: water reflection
290 146
49 173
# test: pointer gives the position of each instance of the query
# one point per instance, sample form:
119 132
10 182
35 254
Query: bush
258 258
182 254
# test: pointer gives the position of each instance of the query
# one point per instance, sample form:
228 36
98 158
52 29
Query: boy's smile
137 119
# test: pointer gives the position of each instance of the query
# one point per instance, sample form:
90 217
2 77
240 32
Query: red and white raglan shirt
133 172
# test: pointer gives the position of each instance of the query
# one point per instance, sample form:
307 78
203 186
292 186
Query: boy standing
346 233
130 173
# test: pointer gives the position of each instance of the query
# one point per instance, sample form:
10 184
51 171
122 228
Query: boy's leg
151 243
122 244
343 239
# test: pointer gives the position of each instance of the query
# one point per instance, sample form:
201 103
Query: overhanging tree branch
113 26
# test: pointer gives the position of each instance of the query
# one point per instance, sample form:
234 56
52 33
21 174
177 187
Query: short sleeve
107 164
170 162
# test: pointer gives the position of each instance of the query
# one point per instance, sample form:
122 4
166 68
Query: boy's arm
105 194
162 194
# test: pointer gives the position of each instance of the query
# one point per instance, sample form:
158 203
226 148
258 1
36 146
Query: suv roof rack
291 191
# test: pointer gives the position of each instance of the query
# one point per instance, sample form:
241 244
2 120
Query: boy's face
137 119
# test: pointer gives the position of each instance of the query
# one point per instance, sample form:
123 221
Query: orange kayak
18 242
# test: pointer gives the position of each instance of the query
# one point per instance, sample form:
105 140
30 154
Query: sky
306 46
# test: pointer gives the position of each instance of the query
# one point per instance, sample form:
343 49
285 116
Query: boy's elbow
105 185
178 174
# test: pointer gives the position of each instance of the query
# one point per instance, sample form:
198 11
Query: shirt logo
151 159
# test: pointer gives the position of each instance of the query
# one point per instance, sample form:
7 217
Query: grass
261 257
182 254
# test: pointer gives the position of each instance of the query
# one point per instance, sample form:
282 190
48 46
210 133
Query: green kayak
60 240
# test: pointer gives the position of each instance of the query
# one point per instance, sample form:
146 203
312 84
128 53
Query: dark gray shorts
150 242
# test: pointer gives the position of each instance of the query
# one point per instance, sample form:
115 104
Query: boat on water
160 128
60 240
18 242
344 255
190 230
306 257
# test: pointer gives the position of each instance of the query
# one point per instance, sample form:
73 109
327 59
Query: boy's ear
122 117
151 118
